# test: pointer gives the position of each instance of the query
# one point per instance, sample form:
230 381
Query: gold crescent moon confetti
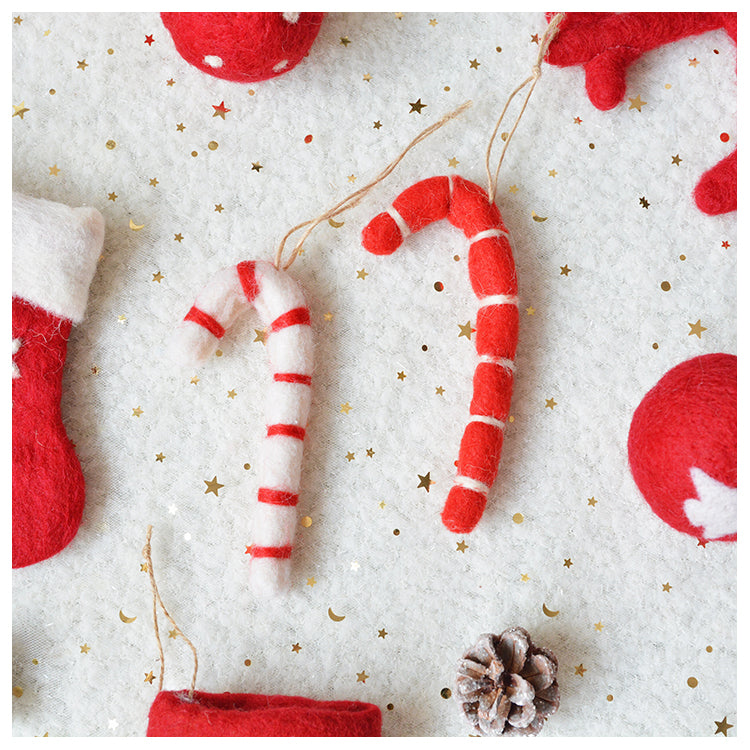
136 227
547 611
124 618
536 217
335 618
335 224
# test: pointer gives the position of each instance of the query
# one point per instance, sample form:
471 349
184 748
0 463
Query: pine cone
506 685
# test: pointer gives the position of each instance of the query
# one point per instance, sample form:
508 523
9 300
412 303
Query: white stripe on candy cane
498 299
471 484
282 308
487 420
488 233
508 364
403 227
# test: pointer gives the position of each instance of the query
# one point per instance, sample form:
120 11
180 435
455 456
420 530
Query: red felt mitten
246 47
606 44
55 251
176 714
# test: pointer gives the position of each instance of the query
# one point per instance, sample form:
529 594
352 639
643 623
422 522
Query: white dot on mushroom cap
280 65
213 60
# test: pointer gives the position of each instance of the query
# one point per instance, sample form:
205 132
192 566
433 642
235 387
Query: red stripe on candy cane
246 273
292 377
283 553
288 430
492 273
300 316
277 497
206 321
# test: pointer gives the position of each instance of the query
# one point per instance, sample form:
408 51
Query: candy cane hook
492 273
282 308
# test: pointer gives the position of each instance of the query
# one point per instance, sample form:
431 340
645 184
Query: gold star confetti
513 189
362 273
466 329
552 172
461 546
592 501
170 82
311 581
157 277
137 411
194 380
666 587
173 634
433 22
694 62
377 124
94 370
425 481
370 452
550 403
417 106
112 197
144 567
121 319
696 328
362 676
382 633
577 120
439 391
17 20
20 110
350 456
382 504
54 170
220 110
345 41
178 237
257 166
180 127
232 393
85 648
345 408
260 335
82 64
352 178
149 677
218 208
367 77
598 626
474 64
453 162
568 562
530 310
160 457
153 182
401 376
580 669
564 270
722 726
399 15
296 648
535 38
676 159
525 577
212 486
636 103
642 200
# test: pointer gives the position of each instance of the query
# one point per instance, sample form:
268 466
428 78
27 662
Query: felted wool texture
55 251
685 429
607 44
174 714
282 308
492 275
244 47
589 344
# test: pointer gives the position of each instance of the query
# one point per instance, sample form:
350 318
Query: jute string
355 198
157 599
536 73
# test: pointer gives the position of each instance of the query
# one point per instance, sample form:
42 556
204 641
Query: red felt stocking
55 251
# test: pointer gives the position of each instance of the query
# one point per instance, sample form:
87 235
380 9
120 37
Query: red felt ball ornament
682 447
244 47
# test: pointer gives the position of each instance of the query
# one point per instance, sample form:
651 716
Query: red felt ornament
55 251
244 47
606 44
682 447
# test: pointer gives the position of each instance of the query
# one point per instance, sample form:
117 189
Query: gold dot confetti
306 521
247 662
212 145
193 153
666 286
610 698
110 144
52 92
396 532
446 693
17 691
389 707
709 649
654 345
246 466
692 682
518 518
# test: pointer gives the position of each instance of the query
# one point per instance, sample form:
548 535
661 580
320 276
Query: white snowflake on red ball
506 685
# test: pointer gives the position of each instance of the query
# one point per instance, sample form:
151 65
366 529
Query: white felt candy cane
282 308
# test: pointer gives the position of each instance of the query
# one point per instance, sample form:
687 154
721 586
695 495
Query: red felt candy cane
492 272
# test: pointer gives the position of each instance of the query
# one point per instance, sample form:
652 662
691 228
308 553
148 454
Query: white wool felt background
588 345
